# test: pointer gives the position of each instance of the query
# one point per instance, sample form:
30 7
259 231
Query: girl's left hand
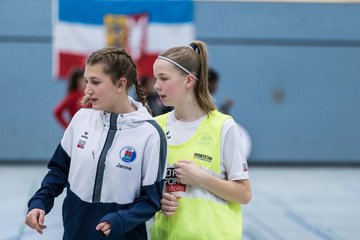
104 227
189 173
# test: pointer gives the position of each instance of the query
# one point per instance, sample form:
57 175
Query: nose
157 85
88 90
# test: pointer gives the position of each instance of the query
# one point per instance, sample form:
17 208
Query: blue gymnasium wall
291 69
308 54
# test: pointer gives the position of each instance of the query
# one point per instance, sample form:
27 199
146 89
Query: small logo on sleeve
81 144
245 167
85 135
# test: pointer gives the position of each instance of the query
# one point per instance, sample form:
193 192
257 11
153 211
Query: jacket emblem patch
128 154
81 144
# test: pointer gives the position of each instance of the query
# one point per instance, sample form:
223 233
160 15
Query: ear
121 84
190 80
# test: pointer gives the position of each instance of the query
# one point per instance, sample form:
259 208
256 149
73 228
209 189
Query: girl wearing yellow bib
207 177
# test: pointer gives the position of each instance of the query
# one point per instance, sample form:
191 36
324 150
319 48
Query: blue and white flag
143 28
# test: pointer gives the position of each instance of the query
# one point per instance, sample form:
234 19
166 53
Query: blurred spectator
213 86
153 99
225 108
68 106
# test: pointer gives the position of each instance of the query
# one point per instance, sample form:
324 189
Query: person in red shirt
71 103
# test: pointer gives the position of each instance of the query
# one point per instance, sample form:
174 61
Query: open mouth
162 97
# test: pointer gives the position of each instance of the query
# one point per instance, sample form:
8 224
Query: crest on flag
128 32
144 29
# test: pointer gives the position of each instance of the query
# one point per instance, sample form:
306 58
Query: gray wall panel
29 94
308 51
277 20
25 17
317 118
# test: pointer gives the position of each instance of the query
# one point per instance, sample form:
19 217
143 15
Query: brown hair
194 59
117 64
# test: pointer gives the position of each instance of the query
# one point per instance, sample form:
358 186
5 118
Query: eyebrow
92 78
161 75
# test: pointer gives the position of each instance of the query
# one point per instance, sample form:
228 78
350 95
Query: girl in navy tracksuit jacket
111 159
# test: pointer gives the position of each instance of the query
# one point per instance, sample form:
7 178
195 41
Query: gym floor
289 203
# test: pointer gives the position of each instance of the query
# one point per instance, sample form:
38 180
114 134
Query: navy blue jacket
113 168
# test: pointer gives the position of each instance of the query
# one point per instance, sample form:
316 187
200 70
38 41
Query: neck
124 108
188 113
188 109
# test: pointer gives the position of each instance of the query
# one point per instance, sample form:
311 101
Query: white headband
178 65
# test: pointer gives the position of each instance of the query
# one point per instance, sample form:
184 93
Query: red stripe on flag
145 65
68 61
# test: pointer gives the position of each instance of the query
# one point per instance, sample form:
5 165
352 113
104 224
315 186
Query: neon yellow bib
201 214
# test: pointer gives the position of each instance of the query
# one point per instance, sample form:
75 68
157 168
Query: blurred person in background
207 179
152 98
213 86
114 177
225 108
71 103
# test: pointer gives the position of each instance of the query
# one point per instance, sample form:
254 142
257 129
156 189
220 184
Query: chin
166 103
96 108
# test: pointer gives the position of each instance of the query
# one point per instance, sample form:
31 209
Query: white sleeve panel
68 137
151 160
232 152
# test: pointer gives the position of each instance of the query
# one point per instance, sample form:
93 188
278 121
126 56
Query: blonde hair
194 59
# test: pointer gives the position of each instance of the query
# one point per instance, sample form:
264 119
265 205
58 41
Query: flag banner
143 28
